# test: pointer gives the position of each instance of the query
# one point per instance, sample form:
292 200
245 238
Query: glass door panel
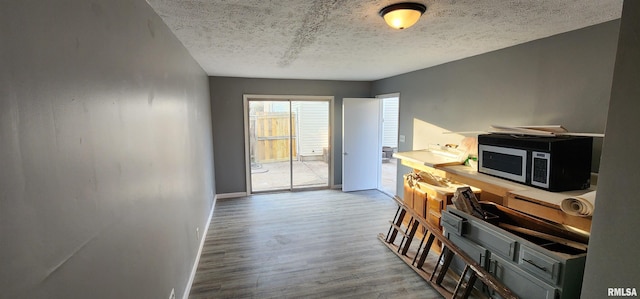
311 144
270 145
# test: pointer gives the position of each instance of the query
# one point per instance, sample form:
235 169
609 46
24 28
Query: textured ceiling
348 40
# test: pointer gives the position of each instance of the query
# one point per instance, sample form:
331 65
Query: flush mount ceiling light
402 15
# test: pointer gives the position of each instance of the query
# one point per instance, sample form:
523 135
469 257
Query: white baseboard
187 290
231 195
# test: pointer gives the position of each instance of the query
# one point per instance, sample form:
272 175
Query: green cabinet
530 268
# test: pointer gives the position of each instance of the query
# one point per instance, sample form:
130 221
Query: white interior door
361 152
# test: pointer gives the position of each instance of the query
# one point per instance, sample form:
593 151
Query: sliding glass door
288 144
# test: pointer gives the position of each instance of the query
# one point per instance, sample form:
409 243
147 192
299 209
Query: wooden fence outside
270 136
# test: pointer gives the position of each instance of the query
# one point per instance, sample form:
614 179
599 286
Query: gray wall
105 151
615 239
564 79
228 123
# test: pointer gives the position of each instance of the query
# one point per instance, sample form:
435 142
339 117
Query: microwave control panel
540 169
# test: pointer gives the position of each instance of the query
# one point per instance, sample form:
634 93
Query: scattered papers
581 205
535 130
548 128
520 131
543 131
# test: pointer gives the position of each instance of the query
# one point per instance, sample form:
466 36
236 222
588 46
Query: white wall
313 127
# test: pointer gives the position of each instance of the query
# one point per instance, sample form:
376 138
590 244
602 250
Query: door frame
381 97
263 97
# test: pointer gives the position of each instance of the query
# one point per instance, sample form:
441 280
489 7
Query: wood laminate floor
316 244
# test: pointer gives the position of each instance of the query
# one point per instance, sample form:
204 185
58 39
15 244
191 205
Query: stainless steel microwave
559 163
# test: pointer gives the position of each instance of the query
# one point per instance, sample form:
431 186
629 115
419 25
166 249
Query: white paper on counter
580 205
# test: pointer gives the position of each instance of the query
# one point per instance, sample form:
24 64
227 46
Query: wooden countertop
427 158
454 170
527 199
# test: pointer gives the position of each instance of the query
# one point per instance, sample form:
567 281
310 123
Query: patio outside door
288 144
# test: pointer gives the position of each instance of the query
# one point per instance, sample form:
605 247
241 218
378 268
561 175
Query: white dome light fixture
402 15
